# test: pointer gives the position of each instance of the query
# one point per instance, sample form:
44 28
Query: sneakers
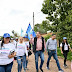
41 69
26 68
65 66
61 70
47 68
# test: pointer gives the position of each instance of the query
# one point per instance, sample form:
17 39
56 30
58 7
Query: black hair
3 42
66 42
53 34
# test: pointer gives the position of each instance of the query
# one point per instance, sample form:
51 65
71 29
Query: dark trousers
65 53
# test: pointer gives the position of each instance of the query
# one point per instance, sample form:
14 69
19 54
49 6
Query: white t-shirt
27 45
21 49
65 46
14 42
4 52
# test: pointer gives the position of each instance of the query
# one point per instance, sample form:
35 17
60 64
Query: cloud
17 14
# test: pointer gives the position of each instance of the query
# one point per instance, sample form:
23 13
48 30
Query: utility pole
33 20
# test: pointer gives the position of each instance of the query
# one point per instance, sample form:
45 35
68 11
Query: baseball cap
25 36
6 35
64 38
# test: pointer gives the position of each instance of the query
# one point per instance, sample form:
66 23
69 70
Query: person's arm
61 48
31 39
70 48
12 54
47 45
26 51
56 46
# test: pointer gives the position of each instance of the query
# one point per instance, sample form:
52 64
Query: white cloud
16 14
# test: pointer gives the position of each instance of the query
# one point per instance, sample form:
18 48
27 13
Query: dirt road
53 66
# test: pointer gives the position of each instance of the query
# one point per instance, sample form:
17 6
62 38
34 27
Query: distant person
64 46
28 45
12 41
38 49
51 45
21 51
16 39
7 53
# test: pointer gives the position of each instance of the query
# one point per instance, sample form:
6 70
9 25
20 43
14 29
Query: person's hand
31 36
61 52
12 55
27 57
45 52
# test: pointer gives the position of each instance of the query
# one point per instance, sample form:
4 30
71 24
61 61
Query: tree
59 12
38 27
46 25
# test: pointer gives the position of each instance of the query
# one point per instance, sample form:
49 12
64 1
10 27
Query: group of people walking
21 50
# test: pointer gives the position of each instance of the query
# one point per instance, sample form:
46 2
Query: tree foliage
59 12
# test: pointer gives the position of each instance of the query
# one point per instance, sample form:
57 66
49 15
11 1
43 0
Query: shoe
26 68
41 69
61 70
65 66
47 68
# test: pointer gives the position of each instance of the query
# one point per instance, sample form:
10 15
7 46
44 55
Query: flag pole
33 20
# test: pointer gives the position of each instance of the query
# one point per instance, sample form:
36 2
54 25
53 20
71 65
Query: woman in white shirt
64 46
7 53
21 51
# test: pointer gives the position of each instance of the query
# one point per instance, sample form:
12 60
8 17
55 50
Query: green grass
69 57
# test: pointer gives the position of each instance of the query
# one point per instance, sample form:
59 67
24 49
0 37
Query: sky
17 14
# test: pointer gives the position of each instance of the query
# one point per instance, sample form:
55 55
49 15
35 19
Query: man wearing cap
64 46
51 45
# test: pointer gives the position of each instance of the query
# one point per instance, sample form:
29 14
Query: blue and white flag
30 31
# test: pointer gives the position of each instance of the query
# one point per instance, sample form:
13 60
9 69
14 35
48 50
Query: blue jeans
37 54
26 63
54 54
6 68
21 60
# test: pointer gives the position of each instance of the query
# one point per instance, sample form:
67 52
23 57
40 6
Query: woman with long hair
64 46
7 53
